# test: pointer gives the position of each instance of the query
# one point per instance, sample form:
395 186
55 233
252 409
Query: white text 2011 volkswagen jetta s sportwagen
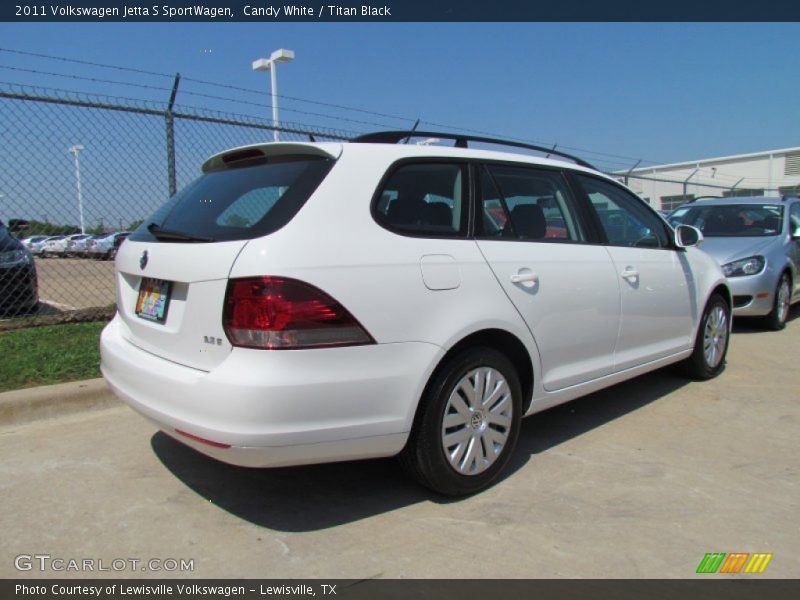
312 302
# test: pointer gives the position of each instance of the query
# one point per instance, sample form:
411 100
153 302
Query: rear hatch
172 272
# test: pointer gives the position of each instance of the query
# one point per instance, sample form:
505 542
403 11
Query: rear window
237 203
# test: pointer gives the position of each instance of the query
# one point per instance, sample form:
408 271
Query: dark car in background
19 290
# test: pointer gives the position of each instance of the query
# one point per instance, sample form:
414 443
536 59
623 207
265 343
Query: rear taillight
278 313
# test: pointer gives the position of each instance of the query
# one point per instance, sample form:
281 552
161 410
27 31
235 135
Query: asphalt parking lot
640 481
74 283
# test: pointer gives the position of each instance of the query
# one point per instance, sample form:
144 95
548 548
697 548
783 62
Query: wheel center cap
477 420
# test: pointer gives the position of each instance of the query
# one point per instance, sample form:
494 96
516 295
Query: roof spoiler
258 153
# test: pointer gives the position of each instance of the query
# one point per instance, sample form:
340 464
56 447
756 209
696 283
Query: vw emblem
143 260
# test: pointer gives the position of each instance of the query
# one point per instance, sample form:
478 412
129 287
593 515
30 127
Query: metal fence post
628 174
170 121
686 182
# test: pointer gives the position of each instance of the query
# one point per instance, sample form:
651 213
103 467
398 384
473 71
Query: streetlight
74 151
269 64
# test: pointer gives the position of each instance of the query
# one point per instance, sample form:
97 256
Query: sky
611 93
657 92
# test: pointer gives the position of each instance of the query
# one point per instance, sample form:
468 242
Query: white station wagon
310 302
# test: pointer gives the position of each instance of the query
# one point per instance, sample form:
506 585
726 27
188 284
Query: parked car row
101 246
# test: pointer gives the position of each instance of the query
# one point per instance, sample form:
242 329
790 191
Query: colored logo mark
735 562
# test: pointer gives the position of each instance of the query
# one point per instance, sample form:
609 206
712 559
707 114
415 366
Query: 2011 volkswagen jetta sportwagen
313 302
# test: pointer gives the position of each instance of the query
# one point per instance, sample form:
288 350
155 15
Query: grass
50 354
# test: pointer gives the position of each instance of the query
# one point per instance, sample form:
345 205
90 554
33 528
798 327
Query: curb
32 404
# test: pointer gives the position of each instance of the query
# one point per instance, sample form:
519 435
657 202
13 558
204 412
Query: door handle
630 274
524 278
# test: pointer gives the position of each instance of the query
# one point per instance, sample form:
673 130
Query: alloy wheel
782 301
715 336
477 421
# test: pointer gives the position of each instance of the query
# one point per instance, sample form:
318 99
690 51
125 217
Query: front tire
711 344
467 424
776 320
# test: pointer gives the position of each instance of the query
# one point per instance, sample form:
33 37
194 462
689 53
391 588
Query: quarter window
624 218
526 204
424 199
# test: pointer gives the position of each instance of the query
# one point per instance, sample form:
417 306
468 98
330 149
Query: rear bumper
278 408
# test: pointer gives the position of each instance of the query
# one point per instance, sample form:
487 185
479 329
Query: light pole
269 64
74 150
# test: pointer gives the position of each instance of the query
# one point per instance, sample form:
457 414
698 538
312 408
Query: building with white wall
768 173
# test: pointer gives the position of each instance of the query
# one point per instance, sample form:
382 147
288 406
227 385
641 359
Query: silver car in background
30 242
81 246
105 248
72 246
756 240
53 246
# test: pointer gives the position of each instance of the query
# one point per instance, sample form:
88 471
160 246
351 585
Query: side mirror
687 236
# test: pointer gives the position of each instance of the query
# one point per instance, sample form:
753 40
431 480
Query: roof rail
393 137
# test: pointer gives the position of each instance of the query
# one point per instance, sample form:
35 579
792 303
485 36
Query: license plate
153 300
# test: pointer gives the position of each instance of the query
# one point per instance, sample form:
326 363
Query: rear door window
526 204
238 203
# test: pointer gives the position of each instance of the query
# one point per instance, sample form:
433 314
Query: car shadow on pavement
304 498
567 421
754 325
317 497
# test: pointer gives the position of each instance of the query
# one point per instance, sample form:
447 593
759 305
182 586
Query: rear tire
467 424
711 344
776 319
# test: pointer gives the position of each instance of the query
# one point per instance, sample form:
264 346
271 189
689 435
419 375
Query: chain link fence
79 172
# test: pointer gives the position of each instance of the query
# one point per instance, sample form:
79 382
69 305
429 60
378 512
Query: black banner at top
398 10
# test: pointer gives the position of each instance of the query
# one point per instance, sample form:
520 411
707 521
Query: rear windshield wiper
177 236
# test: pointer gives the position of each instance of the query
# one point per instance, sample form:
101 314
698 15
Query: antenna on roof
414 128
